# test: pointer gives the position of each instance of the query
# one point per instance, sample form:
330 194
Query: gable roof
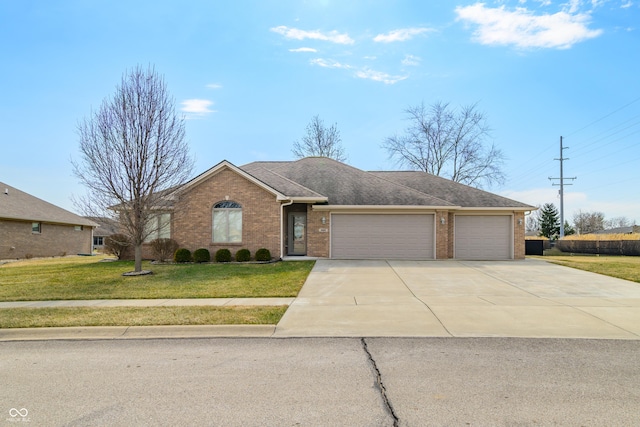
20 206
341 184
222 166
454 192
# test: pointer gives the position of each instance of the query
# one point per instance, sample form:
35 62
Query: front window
36 227
227 222
158 227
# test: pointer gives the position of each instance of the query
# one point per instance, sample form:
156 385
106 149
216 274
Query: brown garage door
483 237
396 236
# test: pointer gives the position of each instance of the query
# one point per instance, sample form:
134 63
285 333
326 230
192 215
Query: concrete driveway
528 298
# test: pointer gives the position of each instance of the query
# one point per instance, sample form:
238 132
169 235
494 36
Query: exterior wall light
443 221
519 221
324 220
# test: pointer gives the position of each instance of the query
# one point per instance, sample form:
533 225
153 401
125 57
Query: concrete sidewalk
149 302
528 298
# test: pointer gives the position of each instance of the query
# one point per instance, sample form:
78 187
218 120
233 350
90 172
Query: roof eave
303 199
382 208
498 208
49 221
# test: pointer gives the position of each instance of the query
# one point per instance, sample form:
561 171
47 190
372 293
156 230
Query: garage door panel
396 236
483 237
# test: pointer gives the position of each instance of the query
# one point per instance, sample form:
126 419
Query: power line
604 117
582 147
617 165
609 143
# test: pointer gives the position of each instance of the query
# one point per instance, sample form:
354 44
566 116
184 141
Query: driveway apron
527 298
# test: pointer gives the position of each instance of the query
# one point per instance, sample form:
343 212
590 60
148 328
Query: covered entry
382 236
483 237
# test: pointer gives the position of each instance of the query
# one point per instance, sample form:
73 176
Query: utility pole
561 184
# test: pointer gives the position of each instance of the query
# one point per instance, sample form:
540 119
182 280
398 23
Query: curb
136 332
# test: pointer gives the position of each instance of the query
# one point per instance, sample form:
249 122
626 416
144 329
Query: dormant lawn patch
622 267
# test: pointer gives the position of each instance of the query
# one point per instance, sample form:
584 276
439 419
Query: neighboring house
633 229
106 227
31 227
320 207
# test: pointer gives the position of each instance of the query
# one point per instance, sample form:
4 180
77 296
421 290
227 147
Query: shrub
163 249
223 255
116 244
182 255
263 254
201 255
243 255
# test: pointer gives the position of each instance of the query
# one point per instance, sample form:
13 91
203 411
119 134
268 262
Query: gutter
335 208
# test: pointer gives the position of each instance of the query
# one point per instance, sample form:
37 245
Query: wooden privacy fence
602 247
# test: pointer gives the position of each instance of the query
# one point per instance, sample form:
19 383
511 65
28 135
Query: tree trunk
138 258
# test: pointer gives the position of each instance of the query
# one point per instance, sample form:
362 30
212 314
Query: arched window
227 222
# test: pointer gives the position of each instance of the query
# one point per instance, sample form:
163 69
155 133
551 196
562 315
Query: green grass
622 267
138 316
75 278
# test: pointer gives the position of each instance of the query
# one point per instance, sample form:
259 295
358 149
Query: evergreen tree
568 229
549 221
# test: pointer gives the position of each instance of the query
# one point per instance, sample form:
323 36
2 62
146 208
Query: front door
297 233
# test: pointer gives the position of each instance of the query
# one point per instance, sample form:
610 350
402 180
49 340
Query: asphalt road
320 382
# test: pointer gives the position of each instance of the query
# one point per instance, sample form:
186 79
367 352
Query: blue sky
249 76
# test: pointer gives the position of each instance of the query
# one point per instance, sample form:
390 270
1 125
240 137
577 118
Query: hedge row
166 249
222 255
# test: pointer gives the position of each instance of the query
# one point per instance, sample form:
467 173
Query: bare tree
320 141
132 151
450 143
617 222
588 222
533 220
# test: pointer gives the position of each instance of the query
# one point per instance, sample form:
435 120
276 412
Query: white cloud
379 76
303 49
298 34
411 60
400 35
361 73
197 107
329 63
214 86
627 5
523 29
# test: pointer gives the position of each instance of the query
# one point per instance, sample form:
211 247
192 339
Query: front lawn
622 267
75 278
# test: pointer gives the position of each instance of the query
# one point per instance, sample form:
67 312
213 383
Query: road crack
380 384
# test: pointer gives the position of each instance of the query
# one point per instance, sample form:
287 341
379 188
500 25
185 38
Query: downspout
282 206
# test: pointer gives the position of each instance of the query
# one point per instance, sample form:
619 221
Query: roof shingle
340 183
18 205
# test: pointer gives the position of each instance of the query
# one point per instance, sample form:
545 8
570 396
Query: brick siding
18 241
318 233
442 234
192 217
518 235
